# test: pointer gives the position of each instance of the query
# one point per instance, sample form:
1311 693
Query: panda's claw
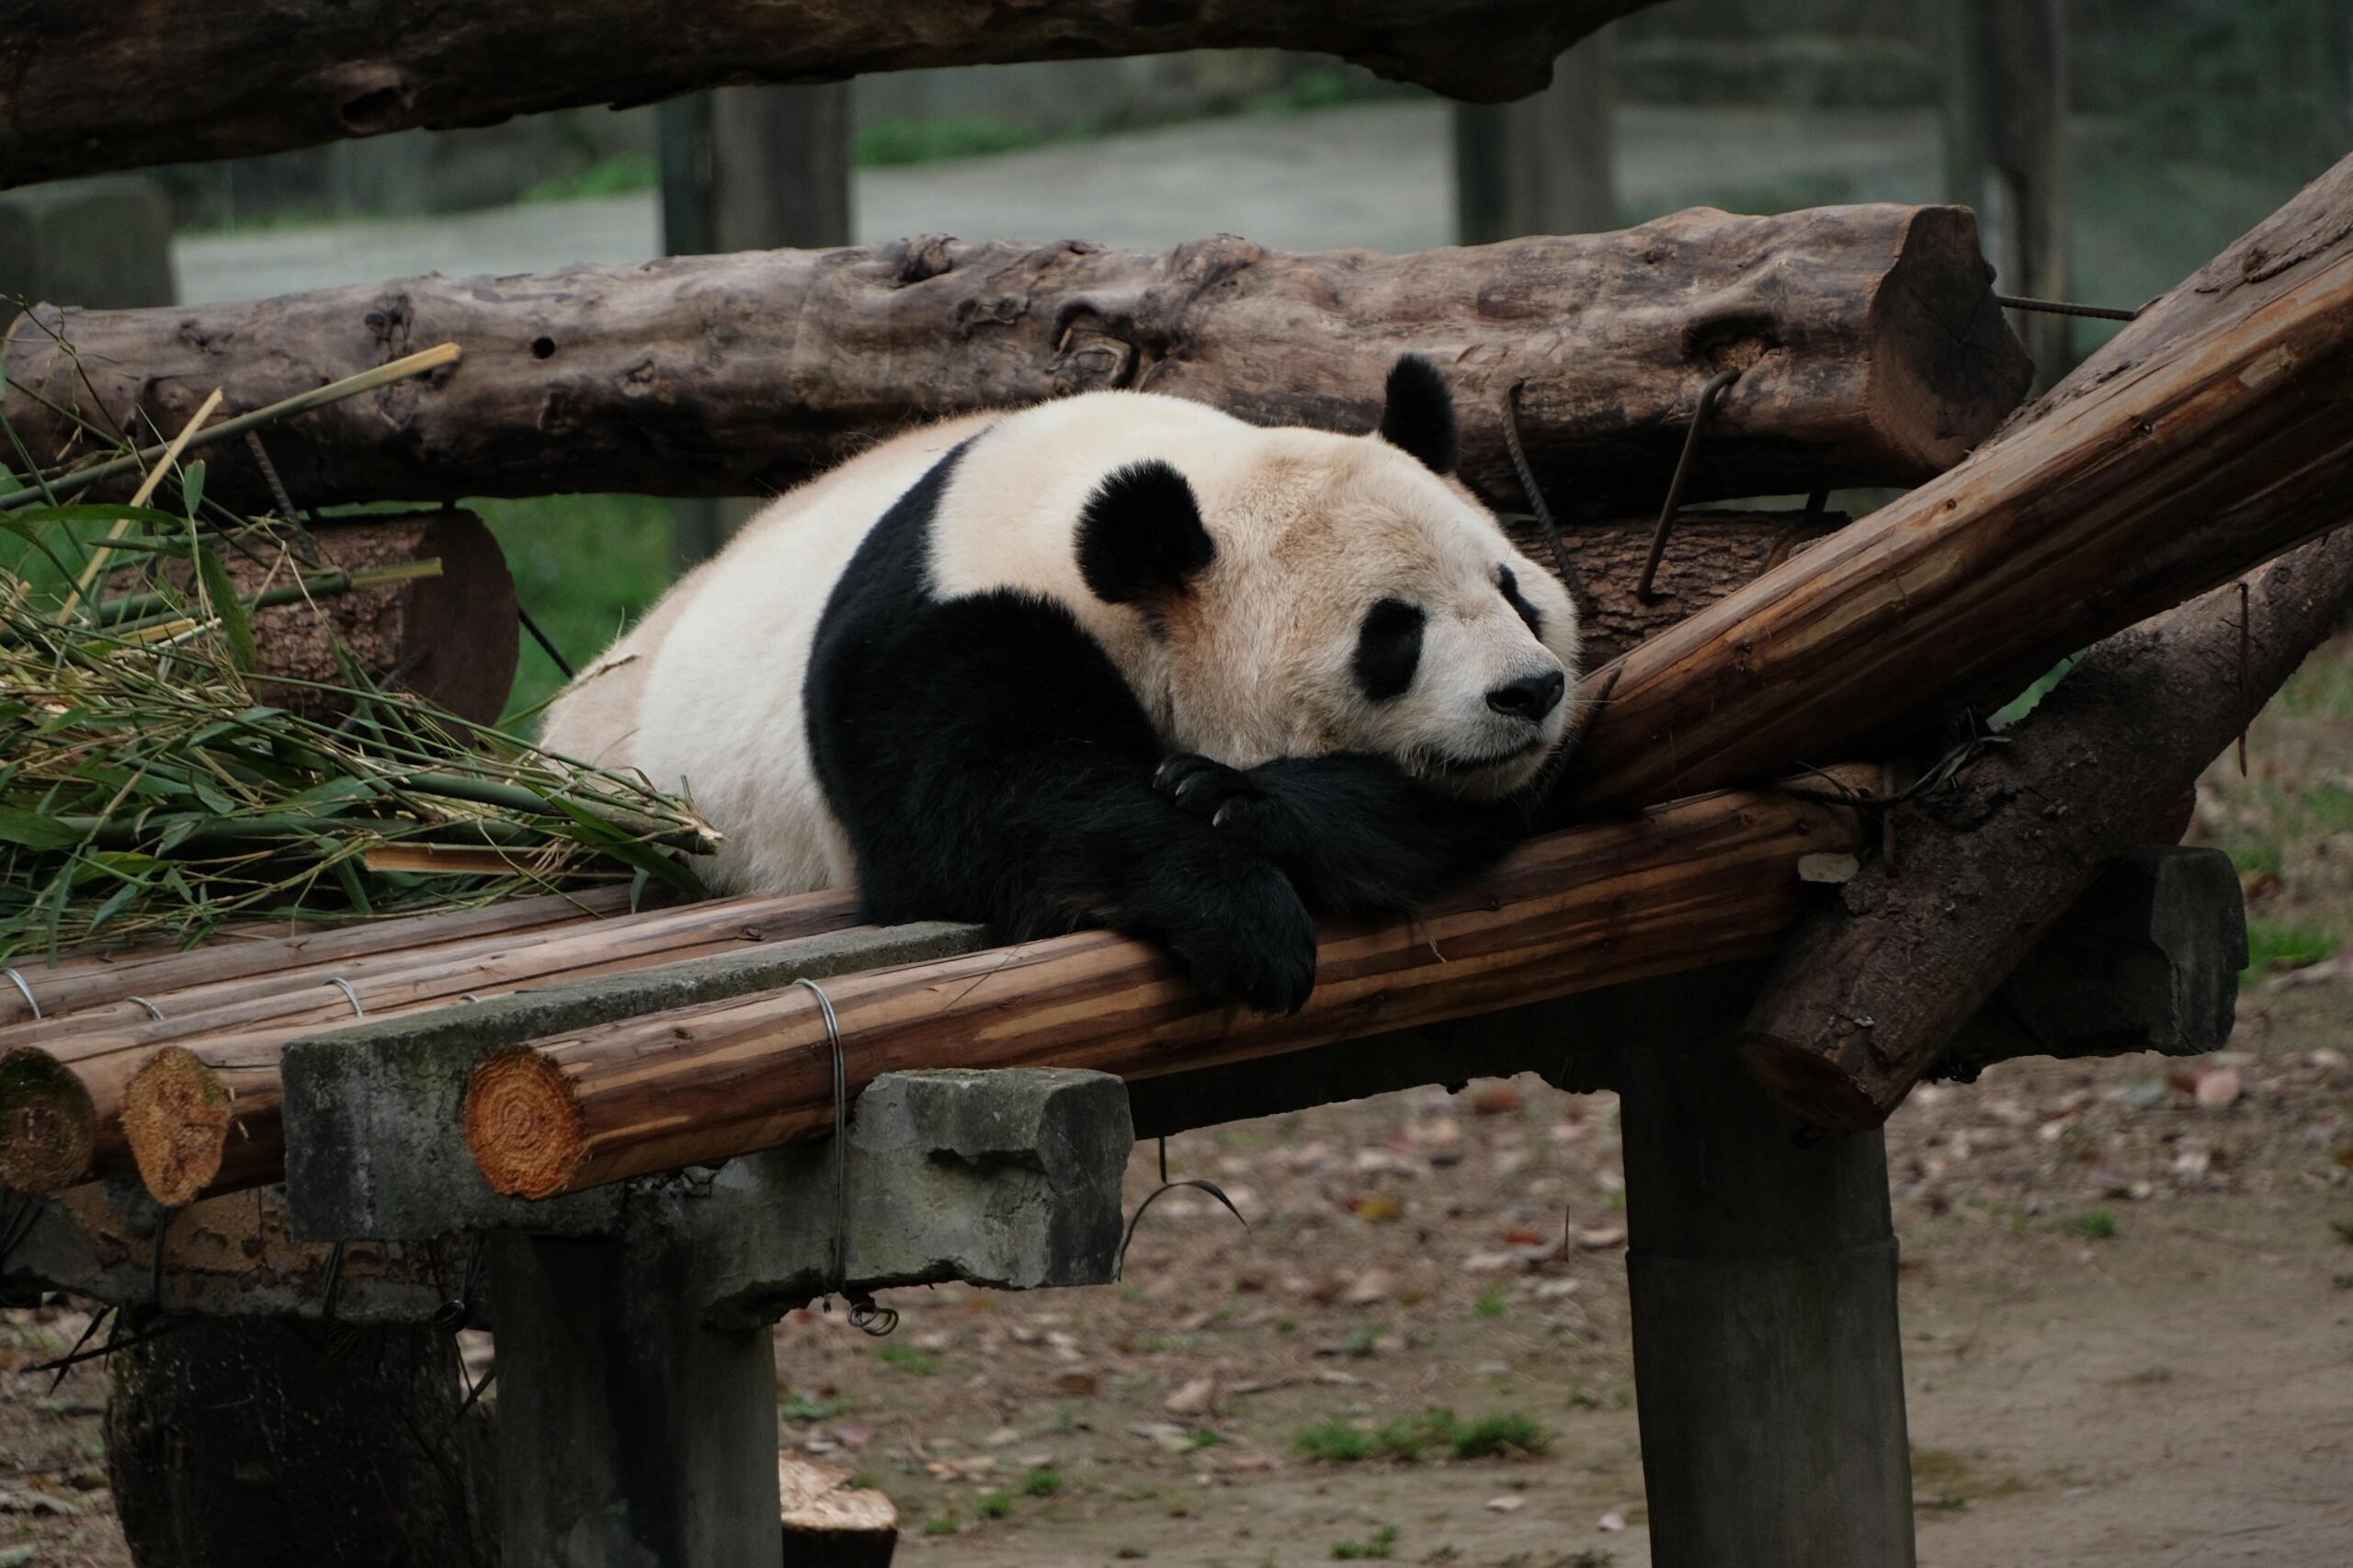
1201 785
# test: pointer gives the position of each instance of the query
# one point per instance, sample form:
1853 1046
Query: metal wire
26 990
547 646
2067 308
348 994
864 1314
153 1011
1708 396
1570 576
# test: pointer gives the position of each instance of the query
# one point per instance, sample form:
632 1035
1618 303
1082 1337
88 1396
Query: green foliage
890 142
1493 1302
1505 1432
944 1524
617 174
1043 1481
1382 1544
992 1504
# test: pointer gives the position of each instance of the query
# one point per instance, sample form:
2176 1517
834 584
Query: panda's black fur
989 762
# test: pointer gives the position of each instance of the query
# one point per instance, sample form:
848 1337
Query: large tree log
1865 995
1869 347
449 637
1675 889
65 1083
2208 436
338 70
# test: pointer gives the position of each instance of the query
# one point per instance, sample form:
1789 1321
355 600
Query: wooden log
68 1087
830 1523
345 70
449 637
1674 889
1868 994
1869 348
2207 438
2147 960
89 979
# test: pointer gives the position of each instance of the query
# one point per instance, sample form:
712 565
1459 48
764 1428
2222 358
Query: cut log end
1809 1087
523 1125
48 1124
828 1520
175 1116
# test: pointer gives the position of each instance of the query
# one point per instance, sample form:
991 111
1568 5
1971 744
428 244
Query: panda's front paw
1203 786
1245 938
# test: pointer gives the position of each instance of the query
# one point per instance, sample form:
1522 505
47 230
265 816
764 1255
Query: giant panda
1117 660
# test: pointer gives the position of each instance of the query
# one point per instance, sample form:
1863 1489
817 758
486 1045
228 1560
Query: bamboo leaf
234 618
35 832
192 485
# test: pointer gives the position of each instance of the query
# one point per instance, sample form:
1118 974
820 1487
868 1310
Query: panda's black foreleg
991 765
1356 833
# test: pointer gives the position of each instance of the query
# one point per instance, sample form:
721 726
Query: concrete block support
631 1434
1768 1365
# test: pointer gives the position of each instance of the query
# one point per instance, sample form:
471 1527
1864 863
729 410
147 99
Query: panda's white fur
705 694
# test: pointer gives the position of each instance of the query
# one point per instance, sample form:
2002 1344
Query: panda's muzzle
1532 698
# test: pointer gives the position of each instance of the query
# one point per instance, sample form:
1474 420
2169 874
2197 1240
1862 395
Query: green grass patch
586 568
1380 1545
908 1359
1413 1438
2094 1224
2272 944
992 1504
1043 1481
945 1524
893 142
798 1406
1493 1302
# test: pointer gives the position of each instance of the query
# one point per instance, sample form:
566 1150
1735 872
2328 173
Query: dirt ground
2128 1311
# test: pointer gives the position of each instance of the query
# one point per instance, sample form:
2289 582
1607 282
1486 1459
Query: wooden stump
269 1443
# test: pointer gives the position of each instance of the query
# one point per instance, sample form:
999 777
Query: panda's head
1305 593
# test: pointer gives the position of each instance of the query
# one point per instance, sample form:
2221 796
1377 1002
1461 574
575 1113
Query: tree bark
1869 348
270 1443
1675 889
1865 995
340 70
2207 438
450 639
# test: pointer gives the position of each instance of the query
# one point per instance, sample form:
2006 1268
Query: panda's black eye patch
1509 582
1389 649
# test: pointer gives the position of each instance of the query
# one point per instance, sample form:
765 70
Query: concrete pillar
750 168
1768 1375
2005 155
1544 164
630 1435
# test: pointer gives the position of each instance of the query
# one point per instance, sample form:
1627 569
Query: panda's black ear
1417 415
1141 537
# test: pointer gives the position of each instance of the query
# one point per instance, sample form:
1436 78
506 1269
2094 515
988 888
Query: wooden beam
2147 960
2207 438
1868 994
339 70
65 1083
1674 889
1869 348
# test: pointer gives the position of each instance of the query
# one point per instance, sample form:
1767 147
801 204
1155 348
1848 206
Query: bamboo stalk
1674 889
77 481
168 454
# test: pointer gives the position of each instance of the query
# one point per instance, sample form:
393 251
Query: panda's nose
1530 696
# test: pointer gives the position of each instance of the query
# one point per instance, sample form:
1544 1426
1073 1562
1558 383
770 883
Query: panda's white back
704 695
